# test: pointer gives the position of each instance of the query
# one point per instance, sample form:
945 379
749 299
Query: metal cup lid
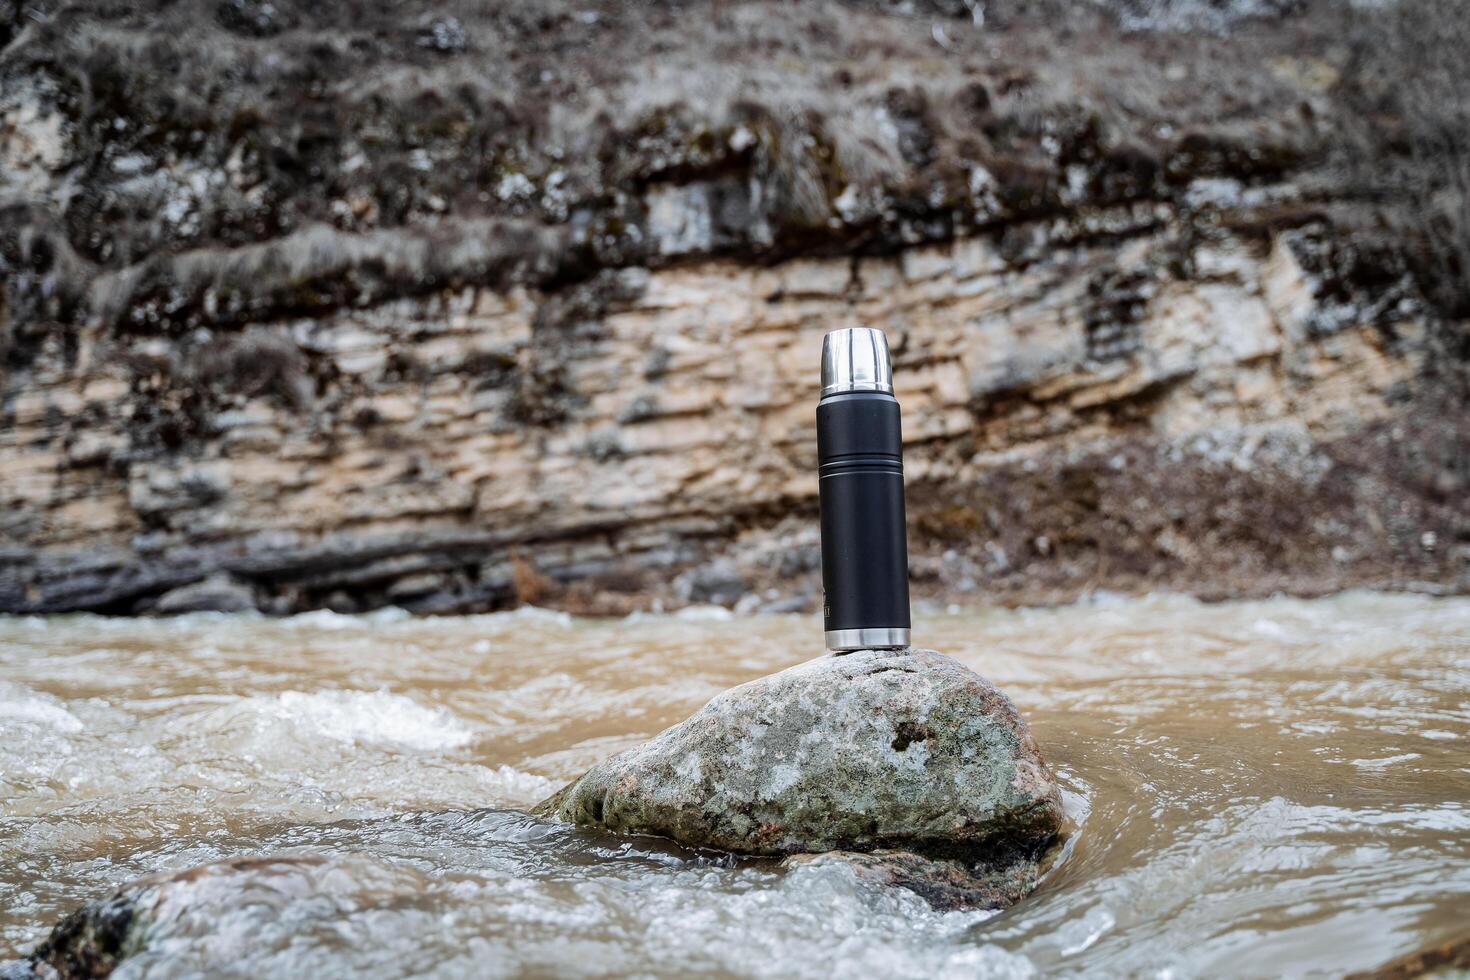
856 359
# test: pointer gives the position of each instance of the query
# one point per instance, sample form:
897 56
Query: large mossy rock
893 750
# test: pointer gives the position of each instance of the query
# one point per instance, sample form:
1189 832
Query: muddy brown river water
1257 788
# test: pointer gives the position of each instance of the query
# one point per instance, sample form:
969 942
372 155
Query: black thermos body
860 487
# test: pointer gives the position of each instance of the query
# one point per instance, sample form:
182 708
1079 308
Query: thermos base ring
868 638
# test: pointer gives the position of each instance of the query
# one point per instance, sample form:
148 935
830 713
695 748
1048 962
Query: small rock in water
1000 879
217 909
218 593
94 939
719 583
873 751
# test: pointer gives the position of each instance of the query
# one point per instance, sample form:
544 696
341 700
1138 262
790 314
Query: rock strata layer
872 750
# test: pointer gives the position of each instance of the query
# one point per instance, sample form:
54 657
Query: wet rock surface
217 593
98 936
996 880
866 751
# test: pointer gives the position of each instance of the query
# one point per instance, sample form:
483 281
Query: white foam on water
370 718
388 614
513 784
1077 935
989 962
322 619
704 614
21 705
537 614
1385 763
806 923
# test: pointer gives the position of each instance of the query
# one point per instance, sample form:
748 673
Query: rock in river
217 593
210 917
94 939
872 751
904 766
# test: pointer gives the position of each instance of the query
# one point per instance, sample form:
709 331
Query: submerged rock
1448 961
217 910
1000 879
867 751
89 942
94 939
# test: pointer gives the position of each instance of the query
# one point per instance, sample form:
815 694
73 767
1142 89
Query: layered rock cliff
343 308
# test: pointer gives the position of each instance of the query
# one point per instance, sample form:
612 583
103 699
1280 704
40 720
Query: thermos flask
860 489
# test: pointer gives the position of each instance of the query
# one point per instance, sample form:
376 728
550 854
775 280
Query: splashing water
1262 787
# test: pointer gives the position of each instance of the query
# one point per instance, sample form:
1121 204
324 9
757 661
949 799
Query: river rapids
1271 787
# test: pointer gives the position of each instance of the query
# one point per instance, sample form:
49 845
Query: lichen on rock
872 751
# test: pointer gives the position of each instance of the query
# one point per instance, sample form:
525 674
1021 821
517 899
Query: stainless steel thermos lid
856 359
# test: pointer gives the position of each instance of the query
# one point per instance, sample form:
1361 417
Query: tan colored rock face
616 436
